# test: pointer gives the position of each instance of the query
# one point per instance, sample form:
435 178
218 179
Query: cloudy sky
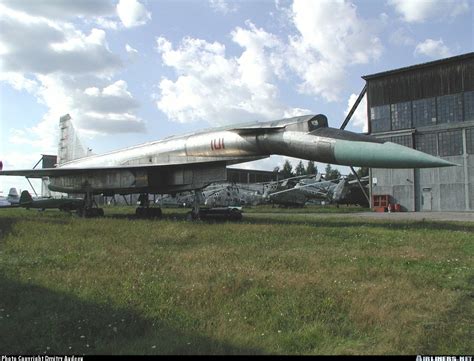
131 71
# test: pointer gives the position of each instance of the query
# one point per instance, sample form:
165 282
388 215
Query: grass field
271 284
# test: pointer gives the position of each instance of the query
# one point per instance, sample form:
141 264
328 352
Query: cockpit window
318 121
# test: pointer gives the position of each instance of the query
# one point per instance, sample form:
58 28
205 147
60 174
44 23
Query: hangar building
429 107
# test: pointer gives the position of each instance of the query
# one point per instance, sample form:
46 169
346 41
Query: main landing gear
88 210
144 210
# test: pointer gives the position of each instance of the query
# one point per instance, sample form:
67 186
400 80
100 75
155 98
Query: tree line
311 169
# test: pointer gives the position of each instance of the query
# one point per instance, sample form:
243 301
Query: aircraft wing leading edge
65 171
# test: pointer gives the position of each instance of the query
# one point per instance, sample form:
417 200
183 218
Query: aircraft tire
235 215
190 217
157 213
140 212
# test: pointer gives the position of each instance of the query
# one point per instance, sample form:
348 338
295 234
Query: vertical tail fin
339 191
25 197
69 147
13 193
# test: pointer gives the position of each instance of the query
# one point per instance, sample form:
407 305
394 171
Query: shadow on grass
6 225
315 221
354 222
36 320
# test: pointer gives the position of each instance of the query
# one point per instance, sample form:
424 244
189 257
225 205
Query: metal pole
31 185
354 107
360 185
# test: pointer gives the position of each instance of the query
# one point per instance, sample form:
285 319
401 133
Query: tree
311 169
287 170
300 169
361 172
327 171
332 173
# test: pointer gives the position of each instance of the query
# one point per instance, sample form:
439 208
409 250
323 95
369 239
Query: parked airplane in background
11 200
193 161
63 204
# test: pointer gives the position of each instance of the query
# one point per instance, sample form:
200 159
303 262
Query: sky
132 71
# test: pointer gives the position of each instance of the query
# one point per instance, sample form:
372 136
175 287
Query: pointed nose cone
384 155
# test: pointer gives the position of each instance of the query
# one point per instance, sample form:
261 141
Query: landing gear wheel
90 212
191 216
142 212
235 215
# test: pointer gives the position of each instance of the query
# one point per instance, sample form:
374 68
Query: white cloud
418 11
107 23
105 110
402 37
18 160
114 98
222 6
61 9
36 45
433 49
110 123
359 118
132 13
19 81
331 37
130 50
220 89
68 71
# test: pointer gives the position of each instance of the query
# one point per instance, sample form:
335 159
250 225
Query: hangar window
450 143
405 140
468 106
380 118
427 143
401 115
424 112
450 109
470 140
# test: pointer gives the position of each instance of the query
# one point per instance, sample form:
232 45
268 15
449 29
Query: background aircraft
307 189
63 204
12 200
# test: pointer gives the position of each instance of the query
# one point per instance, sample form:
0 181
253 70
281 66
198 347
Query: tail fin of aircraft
69 147
13 193
339 190
1 165
25 197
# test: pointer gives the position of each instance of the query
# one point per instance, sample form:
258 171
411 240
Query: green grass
272 284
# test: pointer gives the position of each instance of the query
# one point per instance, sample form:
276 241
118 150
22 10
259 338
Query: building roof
420 66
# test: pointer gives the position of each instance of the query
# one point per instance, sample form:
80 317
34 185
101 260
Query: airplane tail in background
69 147
25 197
339 191
13 193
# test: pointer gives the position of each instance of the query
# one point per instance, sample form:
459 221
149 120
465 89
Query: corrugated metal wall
438 189
426 82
